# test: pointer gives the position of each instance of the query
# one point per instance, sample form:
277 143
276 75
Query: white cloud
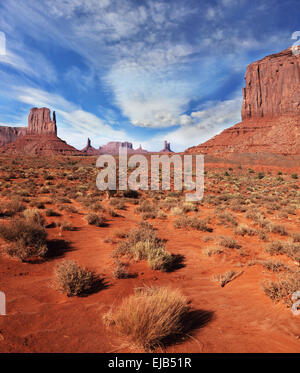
200 126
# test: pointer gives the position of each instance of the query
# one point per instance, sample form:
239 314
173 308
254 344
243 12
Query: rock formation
39 138
270 111
167 148
39 121
272 86
113 148
89 150
10 134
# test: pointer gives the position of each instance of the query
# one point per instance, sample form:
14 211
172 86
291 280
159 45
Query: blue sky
136 70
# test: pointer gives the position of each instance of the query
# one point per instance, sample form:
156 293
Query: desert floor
237 317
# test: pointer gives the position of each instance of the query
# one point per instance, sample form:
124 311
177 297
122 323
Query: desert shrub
296 237
11 208
227 218
149 316
27 238
113 213
23 252
118 204
189 206
120 271
71 209
96 219
282 289
278 228
160 259
143 244
95 207
275 266
294 176
33 215
237 206
230 243
193 223
291 249
176 211
121 234
243 229
276 247
146 207
149 215
161 215
72 279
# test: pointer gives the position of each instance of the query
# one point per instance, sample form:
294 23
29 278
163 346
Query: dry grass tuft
27 238
149 316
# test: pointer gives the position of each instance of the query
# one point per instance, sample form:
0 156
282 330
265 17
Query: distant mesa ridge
270 111
113 147
40 138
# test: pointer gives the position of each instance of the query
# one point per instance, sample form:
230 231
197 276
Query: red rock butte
270 111
38 138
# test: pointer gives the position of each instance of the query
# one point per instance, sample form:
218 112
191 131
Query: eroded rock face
10 134
39 138
272 86
39 121
270 111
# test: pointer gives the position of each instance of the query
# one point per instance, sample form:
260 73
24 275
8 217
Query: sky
142 71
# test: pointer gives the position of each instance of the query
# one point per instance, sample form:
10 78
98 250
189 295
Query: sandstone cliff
39 121
270 111
39 138
10 134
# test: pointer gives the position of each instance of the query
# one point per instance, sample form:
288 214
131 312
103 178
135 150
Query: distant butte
167 148
270 111
38 138
89 149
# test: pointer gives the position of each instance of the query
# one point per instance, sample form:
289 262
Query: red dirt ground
236 318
